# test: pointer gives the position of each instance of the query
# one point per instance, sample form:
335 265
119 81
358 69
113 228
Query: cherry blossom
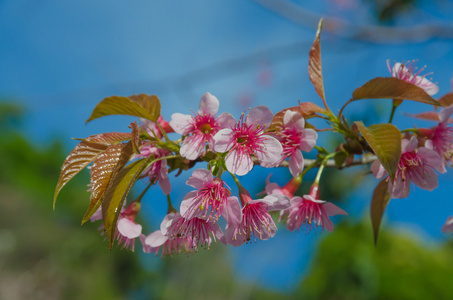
295 137
158 171
440 138
254 219
157 240
416 165
247 138
199 129
210 200
308 212
408 72
448 226
153 130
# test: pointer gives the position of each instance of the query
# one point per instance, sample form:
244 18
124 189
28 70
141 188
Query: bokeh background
58 59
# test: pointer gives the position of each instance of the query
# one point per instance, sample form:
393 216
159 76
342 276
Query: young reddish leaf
306 109
392 88
142 105
116 194
80 157
136 141
104 167
108 138
381 199
315 64
429 115
385 140
447 99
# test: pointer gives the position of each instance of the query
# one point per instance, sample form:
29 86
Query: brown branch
368 33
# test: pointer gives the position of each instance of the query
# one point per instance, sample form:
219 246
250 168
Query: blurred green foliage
348 266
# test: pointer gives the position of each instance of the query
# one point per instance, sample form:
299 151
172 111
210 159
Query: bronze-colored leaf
142 105
392 88
116 194
381 199
136 141
104 167
429 115
80 157
306 109
447 99
108 138
385 140
315 64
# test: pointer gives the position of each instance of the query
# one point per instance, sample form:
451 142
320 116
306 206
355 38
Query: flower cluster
232 148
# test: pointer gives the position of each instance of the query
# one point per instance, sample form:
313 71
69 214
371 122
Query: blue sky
60 58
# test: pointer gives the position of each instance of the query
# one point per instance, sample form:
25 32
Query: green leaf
116 194
392 88
142 105
385 140
381 199
104 167
315 64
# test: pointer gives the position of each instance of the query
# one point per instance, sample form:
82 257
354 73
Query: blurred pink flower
416 165
247 137
408 72
448 226
200 128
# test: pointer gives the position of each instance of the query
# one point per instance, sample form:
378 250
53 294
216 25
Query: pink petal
429 87
333 210
293 118
260 116
129 228
146 248
155 239
229 234
377 169
400 189
425 178
238 164
187 208
233 212
193 146
226 120
180 123
444 114
409 146
274 202
218 233
223 140
209 104
199 178
296 163
167 218
327 224
432 159
309 140
448 226
165 185
270 151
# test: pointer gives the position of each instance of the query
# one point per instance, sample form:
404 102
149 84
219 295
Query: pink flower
127 230
158 171
294 137
289 189
200 231
246 138
416 165
159 241
440 138
209 201
448 226
200 128
254 219
153 130
309 212
408 72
